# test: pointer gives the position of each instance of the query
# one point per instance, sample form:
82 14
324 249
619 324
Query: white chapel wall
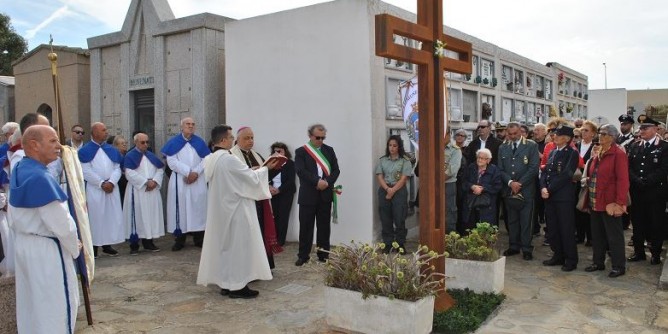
288 70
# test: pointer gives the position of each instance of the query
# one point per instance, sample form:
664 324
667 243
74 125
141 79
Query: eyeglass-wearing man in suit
318 169
518 163
648 168
484 140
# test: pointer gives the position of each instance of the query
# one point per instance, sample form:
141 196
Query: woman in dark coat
282 188
481 179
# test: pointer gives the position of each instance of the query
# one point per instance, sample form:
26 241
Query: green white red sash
319 158
322 161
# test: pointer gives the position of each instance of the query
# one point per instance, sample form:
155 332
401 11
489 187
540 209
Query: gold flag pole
81 263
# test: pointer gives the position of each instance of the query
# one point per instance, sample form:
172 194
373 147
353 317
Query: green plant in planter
478 79
485 81
494 82
468 77
367 269
478 245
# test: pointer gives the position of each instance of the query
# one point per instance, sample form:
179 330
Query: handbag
582 199
584 191
480 201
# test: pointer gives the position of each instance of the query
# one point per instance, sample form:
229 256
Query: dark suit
520 166
314 204
582 219
648 169
491 144
281 203
558 179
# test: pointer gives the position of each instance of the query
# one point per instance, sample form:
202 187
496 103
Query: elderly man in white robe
101 166
47 296
143 202
186 196
243 150
233 253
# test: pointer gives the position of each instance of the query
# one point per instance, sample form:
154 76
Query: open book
281 160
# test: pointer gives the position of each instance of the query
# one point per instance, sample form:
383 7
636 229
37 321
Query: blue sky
631 37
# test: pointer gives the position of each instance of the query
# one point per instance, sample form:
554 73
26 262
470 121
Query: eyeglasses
79 132
319 138
482 126
144 142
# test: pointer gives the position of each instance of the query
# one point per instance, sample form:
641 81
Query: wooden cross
431 100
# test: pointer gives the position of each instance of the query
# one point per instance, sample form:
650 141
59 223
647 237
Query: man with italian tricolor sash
318 170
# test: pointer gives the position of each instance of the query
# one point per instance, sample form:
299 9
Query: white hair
15 138
485 152
10 127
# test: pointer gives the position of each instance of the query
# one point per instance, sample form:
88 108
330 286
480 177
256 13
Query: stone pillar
7 305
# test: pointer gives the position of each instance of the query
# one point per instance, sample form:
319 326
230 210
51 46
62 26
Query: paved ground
156 293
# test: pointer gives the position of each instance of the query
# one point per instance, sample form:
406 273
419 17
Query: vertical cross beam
431 101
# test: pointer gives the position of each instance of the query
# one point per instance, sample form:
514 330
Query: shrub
470 311
478 245
367 269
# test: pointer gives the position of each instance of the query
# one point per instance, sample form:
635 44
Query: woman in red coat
608 183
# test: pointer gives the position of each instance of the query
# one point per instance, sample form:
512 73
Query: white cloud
59 13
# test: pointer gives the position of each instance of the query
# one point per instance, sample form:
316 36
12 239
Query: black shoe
151 247
545 243
655 260
322 259
510 252
636 257
224 292
616 273
588 243
568 267
177 247
300 262
109 251
553 262
134 252
527 256
95 251
244 293
630 243
198 244
594 267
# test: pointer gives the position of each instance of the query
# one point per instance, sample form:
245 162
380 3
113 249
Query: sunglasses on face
79 132
482 126
143 142
319 138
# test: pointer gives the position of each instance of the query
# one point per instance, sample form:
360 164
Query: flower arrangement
478 245
439 49
560 77
373 272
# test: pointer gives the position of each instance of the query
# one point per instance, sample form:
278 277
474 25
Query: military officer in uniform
626 127
648 169
392 172
518 163
557 189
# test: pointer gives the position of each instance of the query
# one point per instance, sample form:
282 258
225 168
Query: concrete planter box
479 276
349 311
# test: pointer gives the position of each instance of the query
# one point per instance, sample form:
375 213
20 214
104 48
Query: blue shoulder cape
31 185
88 151
133 159
176 143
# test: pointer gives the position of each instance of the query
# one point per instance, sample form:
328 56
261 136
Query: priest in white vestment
233 253
143 201
47 296
186 195
101 166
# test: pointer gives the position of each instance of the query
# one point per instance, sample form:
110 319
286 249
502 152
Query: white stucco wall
608 103
288 70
